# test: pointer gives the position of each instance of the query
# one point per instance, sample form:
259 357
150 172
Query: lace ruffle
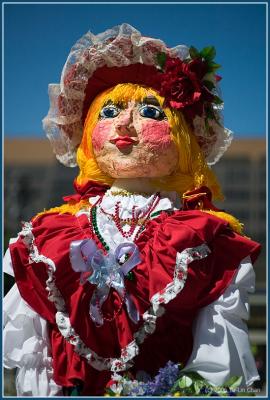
213 146
34 257
108 229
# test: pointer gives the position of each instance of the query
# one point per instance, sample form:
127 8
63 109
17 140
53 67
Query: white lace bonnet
116 50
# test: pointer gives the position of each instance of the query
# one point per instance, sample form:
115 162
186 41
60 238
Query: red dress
188 259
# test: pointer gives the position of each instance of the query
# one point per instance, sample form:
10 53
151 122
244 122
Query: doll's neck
133 185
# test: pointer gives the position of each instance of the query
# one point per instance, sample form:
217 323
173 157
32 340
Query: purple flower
163 381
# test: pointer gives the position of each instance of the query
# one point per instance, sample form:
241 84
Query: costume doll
137 268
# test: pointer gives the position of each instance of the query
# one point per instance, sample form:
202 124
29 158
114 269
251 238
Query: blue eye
109 111
149 111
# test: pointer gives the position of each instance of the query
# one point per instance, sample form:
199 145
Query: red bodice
164 238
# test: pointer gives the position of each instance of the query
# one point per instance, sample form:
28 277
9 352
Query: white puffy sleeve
221 345
26 344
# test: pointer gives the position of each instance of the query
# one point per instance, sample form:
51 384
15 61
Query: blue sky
38 37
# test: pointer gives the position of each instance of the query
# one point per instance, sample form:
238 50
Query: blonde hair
192 171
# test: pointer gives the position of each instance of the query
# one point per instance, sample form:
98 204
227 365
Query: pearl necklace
126 193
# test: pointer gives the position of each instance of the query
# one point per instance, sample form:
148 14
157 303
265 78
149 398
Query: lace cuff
221 346
26 347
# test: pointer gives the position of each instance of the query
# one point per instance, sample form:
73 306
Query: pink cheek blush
156 134
101 134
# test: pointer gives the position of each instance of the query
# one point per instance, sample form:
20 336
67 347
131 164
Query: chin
138 164
137 170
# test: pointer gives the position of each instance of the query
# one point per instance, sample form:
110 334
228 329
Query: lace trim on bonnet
120 46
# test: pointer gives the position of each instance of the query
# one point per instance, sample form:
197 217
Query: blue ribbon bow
105 271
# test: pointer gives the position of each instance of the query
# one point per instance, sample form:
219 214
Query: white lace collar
107 203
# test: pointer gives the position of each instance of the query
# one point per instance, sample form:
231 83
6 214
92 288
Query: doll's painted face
134 140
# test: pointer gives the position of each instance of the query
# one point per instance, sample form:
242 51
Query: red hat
184 76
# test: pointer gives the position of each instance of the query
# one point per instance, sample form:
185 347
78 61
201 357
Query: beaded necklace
96 234
134 221
94 226
145 216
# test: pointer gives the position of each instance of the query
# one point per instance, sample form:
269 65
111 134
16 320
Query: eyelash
107 108
161 115
115 110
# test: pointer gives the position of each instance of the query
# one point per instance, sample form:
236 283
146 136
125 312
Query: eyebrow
108 102
151 100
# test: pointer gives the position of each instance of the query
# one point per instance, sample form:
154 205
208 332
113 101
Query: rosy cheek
101 133
156 134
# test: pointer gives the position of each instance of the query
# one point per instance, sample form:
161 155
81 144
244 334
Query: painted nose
125 125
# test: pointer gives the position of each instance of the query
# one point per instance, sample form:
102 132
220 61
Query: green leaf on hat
209 85
193 52
217 100
213 66
208 53
161 59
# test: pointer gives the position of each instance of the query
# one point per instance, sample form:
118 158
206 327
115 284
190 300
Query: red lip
123 141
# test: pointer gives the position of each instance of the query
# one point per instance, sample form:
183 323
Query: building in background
242 174
34 181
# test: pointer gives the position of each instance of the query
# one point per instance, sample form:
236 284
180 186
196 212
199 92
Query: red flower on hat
190 85
181 83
